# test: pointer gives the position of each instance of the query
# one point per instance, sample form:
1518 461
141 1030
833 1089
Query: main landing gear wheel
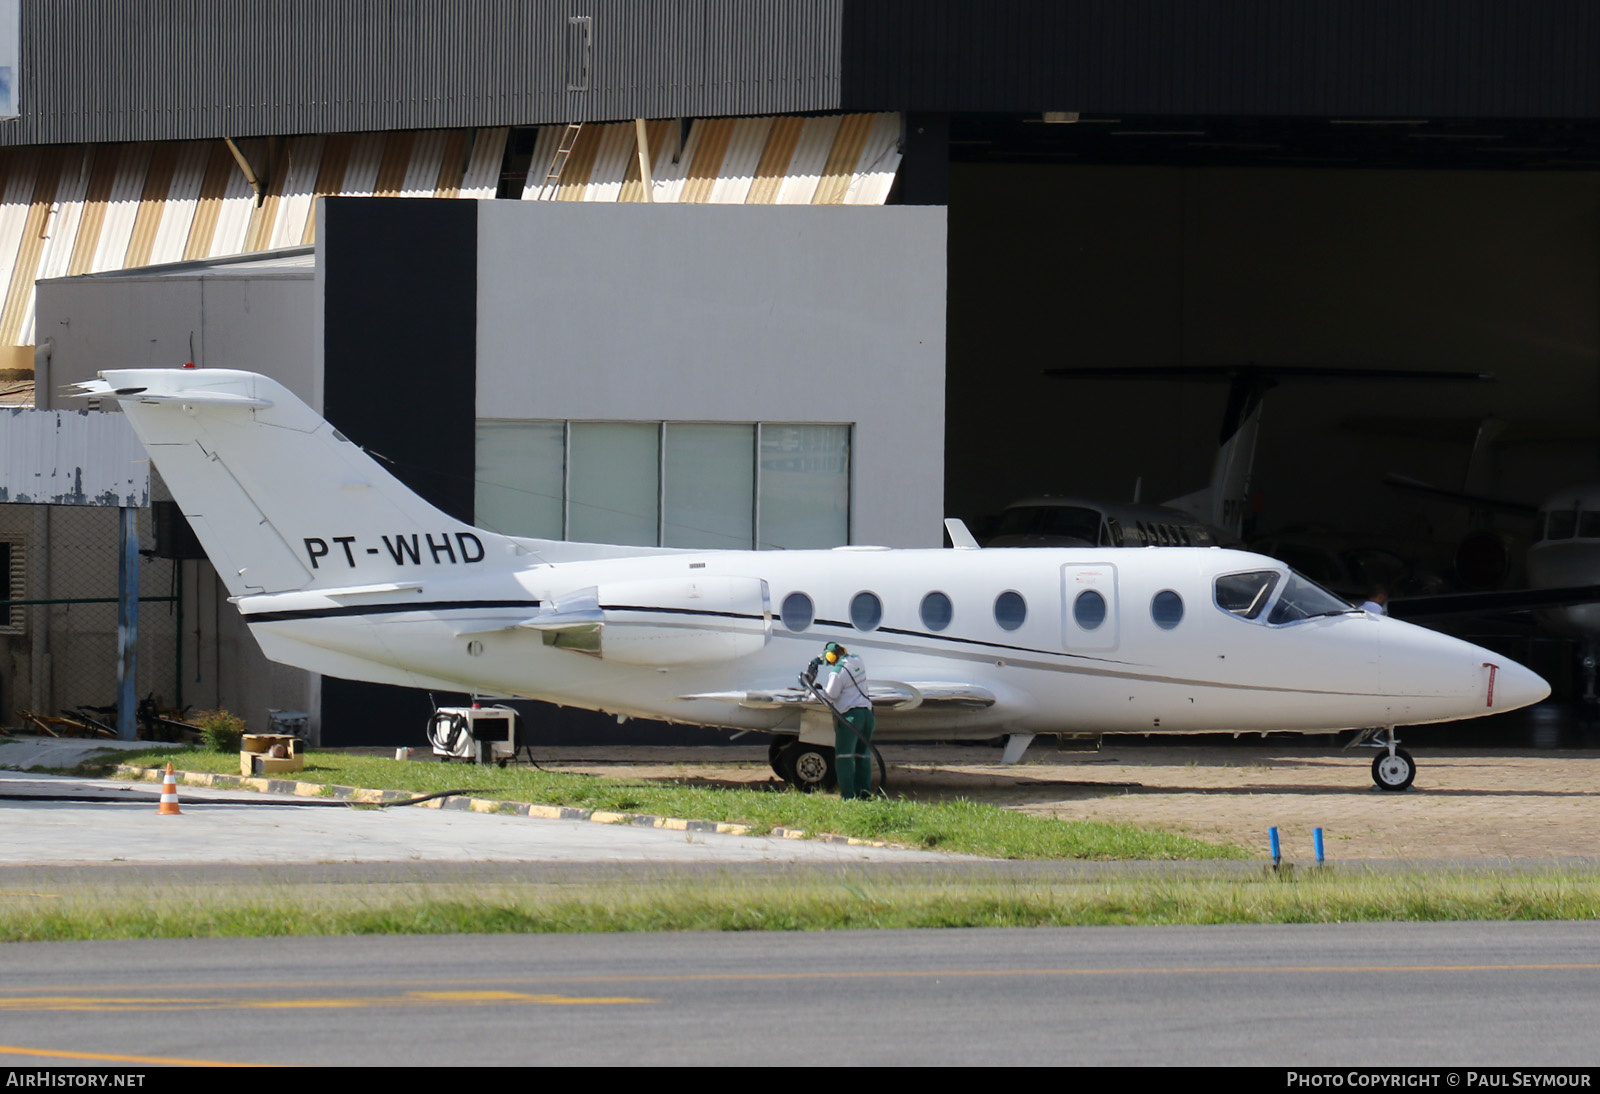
808 767
1394 772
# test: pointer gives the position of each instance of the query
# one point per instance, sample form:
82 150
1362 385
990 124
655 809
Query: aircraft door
1090 617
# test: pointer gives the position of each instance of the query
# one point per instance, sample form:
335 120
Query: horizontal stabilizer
154 395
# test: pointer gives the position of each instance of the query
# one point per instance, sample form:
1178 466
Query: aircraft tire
1394 772
775 754
808 768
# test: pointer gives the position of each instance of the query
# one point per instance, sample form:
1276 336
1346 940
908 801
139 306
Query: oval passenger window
1166 608
936 611
1089 609
866 611
1010 610
796 612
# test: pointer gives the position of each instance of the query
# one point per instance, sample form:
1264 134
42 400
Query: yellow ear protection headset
832 652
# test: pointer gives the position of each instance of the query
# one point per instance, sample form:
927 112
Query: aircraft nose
1513 686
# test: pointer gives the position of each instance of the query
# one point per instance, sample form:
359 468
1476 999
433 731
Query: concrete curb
362 796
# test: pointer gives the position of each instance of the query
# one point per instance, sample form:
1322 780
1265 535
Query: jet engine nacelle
662 622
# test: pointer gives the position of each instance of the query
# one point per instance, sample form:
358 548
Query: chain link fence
58 641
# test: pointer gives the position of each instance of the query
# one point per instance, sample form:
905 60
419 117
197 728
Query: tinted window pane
1246 594
796 612
1089 609
1010 610
709 485
1589 525
805 485
1166 608
521 476
615 483
936 611
866 611
1561 524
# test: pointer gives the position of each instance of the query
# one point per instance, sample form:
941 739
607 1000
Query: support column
128 625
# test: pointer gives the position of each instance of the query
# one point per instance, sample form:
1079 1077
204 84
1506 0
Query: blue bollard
1316 839
1277 854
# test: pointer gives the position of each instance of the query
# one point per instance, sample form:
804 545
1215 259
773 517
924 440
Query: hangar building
790 272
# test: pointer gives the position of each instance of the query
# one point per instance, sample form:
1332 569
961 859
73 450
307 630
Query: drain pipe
244 165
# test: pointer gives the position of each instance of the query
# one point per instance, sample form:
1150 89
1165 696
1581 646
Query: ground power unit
483 734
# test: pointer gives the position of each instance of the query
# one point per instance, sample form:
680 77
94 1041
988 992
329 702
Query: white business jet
340 569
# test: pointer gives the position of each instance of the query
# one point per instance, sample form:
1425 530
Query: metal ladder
552 180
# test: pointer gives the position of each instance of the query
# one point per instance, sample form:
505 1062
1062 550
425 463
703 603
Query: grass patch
731 903
961 827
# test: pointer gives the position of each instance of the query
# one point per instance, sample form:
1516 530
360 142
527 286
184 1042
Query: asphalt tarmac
1390 996
1387 996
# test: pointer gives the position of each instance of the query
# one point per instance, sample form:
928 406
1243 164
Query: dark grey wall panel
118 70
399 379
1363 58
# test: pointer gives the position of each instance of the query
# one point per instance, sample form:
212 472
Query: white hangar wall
729 314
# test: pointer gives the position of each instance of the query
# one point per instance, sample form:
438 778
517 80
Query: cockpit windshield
1062 521
1247 595
1303 599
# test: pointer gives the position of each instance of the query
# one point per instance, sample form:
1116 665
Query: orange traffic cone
169 795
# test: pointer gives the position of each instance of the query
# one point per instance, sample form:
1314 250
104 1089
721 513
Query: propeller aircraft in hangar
338 568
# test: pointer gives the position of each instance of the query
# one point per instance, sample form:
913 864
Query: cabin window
1304 599
796 612
1589 525
1561 524
1246 594
1166 608
1089 609
936 611
866 611
1010 610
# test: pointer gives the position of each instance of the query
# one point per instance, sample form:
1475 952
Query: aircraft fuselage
1159 653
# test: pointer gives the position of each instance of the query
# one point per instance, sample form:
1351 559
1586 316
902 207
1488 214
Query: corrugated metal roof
128 70
71 457
82 209
95 208
831 160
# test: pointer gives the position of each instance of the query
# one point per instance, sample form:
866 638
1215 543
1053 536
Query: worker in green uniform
842 679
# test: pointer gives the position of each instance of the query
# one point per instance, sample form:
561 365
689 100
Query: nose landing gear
1393 771
1393 768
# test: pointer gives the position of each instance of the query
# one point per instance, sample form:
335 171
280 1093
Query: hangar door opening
1113 265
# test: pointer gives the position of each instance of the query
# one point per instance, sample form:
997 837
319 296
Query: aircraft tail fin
1224 502
281 500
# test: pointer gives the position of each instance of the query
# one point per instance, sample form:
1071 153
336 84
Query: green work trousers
852 757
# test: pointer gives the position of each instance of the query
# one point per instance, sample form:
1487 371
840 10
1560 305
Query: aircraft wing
885 694
1495 600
